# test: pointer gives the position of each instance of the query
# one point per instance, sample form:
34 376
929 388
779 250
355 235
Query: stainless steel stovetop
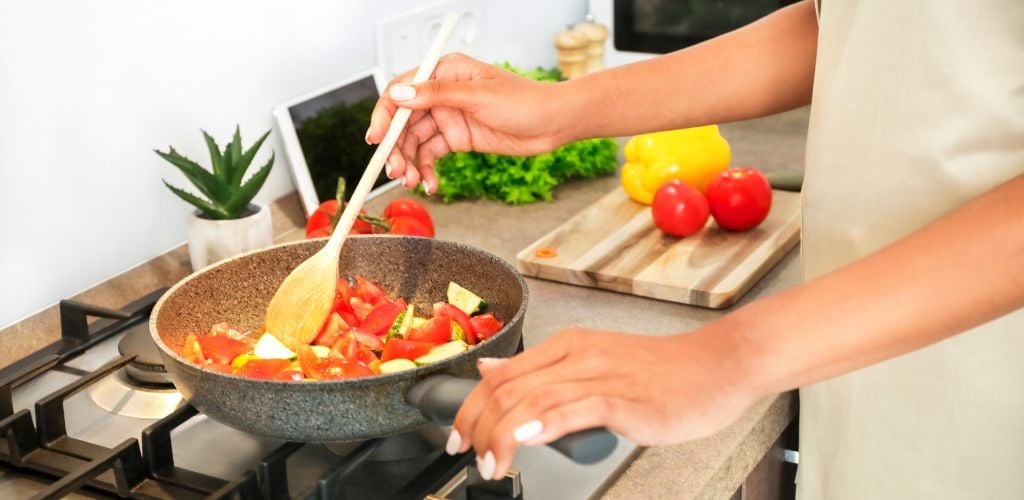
165 449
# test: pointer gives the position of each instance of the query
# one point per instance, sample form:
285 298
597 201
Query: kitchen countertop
712 467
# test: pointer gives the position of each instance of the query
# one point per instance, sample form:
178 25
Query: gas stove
94 415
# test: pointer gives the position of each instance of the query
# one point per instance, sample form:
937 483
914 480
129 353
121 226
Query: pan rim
419 371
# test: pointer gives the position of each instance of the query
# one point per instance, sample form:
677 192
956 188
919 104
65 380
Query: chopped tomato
400 302
408 349
368 291
459 316
289 375
437 330
315 367
361 307
354 370
217 367
264 369
221 348
192 351
380 318
350 318
342 296
485 325
374 366
351 349
333 327
375 342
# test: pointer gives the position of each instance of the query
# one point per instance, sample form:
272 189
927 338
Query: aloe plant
227 197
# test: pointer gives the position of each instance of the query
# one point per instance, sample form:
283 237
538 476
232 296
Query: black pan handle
439 398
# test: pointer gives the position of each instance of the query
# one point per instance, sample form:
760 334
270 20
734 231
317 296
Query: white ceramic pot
211 240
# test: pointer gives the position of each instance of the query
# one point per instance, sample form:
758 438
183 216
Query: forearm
763 68
962 270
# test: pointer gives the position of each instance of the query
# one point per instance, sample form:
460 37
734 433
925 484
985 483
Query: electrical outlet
402 41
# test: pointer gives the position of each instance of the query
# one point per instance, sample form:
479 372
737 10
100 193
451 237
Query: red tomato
264 369
368 291
462 319
218 367
221 348
191 350
342 294
380 318
349 348
679 210
333 327
408 349
740 198
404 225
436 331
350 318
321 222
361 309
326 368
289 375
485 325
354 370
406 207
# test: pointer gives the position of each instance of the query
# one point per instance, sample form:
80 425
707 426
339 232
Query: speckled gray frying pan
238 290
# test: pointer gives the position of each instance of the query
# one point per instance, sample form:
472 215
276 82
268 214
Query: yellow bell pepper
692 155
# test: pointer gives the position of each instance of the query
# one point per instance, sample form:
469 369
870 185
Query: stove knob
506 488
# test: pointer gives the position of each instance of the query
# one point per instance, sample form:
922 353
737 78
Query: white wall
88 89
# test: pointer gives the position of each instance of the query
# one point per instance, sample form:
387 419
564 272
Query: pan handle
440 396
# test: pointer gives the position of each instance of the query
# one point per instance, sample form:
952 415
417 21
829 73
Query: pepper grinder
596 35
572 53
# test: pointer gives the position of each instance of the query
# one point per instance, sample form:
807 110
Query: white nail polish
426 187
403 92
454 442
528 431
486 465
387 170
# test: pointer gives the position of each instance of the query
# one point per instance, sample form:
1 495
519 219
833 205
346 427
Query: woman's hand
467 106
652 390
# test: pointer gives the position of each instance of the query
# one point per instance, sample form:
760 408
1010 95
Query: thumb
436 93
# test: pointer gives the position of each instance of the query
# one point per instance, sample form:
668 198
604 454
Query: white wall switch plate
402 41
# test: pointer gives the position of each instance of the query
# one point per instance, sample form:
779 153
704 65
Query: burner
147 369
119 394
413 444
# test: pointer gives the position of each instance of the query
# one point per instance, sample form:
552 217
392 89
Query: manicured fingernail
486 465
387 170
367 136
403 92
528 431
426 187
405 181
454 442
489 361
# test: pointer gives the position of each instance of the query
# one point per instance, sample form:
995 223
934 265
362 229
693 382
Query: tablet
324 135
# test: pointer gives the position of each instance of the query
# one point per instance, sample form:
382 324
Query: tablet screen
331 129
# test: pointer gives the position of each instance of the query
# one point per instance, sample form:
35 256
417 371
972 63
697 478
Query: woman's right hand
467 105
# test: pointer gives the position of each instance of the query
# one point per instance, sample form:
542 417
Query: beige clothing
918 107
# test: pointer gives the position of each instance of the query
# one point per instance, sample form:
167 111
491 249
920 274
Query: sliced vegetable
380 318
408 349
264 369
458 333
368 291
221 348
321 351
461 321
485 325
268 347
289 375
242 359
333 327
192 351
319 368
403 323
464 299
397 365
442 352
436 331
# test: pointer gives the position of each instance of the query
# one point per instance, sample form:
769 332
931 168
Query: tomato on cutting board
679 209
739 198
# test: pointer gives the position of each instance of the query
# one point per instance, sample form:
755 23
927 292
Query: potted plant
226 222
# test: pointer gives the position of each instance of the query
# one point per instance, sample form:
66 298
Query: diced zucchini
321 351
418 322
241 360
403 323
457 332
464 299
442 352
396 365
268 347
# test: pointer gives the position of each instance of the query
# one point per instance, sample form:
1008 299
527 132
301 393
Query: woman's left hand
652 390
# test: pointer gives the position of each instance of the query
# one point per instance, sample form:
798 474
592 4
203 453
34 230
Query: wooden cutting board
613 244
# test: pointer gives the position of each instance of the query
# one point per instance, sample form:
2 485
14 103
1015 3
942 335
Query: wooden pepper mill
596 35
572 53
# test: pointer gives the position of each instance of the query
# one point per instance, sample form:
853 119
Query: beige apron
918 107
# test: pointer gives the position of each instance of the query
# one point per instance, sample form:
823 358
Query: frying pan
238 290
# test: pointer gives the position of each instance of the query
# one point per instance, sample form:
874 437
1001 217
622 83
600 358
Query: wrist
569 120
741 360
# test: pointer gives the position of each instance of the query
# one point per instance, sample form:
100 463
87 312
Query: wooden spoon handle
348 217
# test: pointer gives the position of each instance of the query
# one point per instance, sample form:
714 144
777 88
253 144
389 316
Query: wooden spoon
303 301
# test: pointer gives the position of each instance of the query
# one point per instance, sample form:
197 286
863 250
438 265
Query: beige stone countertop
708 468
